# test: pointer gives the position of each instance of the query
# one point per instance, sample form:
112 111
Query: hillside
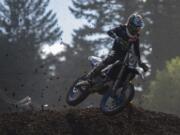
89 122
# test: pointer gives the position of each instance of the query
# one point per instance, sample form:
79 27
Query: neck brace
129 34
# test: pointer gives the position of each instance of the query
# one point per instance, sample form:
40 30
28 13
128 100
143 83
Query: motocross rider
124 34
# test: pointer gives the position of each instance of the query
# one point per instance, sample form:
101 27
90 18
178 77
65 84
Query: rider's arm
137 50
114 33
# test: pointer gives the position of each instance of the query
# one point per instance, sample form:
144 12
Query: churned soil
131 121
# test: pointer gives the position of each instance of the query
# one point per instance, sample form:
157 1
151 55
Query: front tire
76 95
116 104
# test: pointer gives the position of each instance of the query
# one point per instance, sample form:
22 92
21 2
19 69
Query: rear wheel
111 105
77 94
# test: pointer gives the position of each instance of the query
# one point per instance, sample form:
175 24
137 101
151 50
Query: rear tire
128 96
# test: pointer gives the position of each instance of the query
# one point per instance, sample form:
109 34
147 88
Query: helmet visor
138 22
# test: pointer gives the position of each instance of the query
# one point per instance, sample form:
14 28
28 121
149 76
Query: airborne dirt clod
89 122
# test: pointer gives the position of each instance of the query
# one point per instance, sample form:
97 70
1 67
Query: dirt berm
89 122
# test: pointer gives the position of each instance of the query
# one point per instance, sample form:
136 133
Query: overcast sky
66 20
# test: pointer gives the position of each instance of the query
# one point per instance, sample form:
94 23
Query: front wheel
77 94
111 105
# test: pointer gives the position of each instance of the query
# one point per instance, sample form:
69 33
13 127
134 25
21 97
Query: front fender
94 61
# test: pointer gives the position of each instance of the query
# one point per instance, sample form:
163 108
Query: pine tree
101 16
23 20
165 20
25 25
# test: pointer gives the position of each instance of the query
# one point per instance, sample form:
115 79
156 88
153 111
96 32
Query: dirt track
89 122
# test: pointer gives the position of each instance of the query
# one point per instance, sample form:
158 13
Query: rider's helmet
135 23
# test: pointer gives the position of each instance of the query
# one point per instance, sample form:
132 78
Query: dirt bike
116 93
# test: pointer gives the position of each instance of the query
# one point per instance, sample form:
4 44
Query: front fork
119 82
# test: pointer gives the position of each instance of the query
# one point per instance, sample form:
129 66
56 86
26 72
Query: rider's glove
144 66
